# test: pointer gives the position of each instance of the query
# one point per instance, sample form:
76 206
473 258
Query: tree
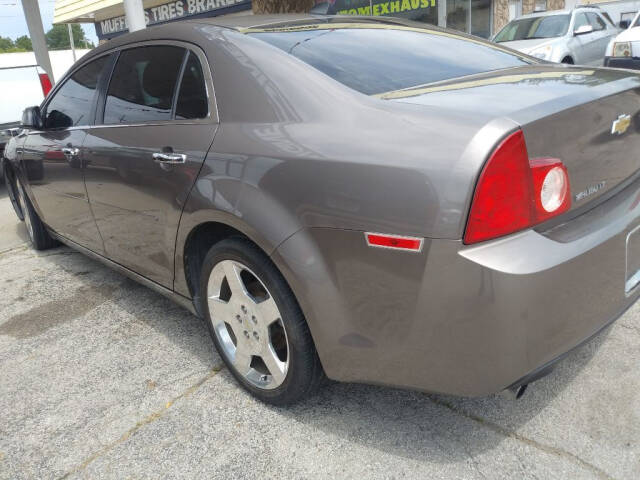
6 44
24 43
282 6
58 37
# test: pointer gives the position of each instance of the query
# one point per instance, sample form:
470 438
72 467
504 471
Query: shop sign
172 11
377 7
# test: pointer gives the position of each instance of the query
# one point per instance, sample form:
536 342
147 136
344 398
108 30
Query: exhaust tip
515 392
521 390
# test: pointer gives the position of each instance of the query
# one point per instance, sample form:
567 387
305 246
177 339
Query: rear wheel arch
568 60
205 223
201 238
198 243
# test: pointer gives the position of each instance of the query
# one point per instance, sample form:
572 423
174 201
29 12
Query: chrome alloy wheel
248 324
25 209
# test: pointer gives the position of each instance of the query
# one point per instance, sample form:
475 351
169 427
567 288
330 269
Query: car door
582 44
158 120
53 157
601 36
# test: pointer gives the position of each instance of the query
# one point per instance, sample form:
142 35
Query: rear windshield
375 59
534 27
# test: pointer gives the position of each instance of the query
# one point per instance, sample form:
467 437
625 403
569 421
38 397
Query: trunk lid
587 117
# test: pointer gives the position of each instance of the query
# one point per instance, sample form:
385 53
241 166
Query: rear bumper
545 369
632 63
461 320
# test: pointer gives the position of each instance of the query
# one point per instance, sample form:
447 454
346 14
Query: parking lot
103 378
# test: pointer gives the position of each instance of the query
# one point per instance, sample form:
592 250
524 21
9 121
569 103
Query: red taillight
45 83
394 241
514 193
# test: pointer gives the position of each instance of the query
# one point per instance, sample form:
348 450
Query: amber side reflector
383 240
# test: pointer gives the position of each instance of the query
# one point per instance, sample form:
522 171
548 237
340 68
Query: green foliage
6 44
58 37
24 43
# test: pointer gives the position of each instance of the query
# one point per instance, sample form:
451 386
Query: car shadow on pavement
145 307
414 425
430 427
12 231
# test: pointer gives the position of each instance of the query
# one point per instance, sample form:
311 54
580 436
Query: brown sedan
368 199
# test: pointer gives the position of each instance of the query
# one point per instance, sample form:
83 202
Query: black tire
567 60
12 191
304 373
38 234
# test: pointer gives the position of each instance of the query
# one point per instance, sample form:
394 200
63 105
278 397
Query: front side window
143 84
530 28
580 21
72 104
375 59
192 98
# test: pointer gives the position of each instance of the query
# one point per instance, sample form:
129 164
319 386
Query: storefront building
478 17
109 18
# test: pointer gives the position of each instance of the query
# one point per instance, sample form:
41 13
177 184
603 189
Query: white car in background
624 50
23 83
20 86
577 36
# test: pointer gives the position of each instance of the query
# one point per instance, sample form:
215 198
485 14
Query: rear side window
72 104
382 58
596 21
192 98
608 17
143 84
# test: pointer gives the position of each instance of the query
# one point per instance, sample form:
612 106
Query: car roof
560 12
254 21
188 29
243 22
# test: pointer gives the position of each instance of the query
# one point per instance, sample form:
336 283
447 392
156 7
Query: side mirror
32 118
583 30
624 24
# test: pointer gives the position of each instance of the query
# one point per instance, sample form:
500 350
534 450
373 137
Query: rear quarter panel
295 149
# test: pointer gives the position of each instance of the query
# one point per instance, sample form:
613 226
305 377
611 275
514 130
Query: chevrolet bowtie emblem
620 125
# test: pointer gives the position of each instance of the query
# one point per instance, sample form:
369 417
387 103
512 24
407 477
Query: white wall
61 60
614 8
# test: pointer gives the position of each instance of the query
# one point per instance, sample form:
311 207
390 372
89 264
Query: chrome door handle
169 158
70 151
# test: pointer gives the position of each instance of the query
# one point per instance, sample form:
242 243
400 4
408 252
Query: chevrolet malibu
342 197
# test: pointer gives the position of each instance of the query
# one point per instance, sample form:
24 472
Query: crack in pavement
522 439
630 327
22 246
145 421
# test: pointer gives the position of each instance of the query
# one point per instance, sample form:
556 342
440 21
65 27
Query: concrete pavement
12 232
103 378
